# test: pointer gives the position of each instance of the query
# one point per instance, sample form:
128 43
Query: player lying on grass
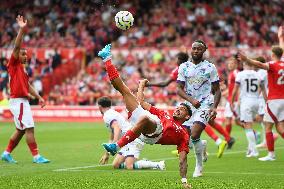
151 125
128 155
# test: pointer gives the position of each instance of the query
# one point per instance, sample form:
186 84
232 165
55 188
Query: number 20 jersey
249 83
275 75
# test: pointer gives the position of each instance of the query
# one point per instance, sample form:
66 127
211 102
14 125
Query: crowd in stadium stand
160 24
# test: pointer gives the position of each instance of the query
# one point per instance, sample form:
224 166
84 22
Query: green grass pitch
75 149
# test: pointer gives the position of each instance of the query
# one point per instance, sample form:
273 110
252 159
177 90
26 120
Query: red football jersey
174 74
19 87
231 84
173 132
275 76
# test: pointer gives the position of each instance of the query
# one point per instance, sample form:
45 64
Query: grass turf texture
70 145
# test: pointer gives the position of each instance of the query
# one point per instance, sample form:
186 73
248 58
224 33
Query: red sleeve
155 111
174 74
12 60
183 146
271 66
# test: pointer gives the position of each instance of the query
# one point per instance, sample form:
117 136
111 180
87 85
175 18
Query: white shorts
261 108
276 108
228 112
132 149
249 109
22 113
198 115
136 116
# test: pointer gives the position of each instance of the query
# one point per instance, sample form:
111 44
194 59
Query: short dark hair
104 102
202 42
260 59
188 108
182 57
278 51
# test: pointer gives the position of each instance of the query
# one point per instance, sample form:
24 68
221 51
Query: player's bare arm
235 92
160 84
116 131
105 157
281 36
22 24
263 91
183 95
217 97
255 63
114 137
33 92
140 95
183 168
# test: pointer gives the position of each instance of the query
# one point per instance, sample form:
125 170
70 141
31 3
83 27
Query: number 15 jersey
249 83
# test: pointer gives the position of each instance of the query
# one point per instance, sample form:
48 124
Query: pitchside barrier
77 113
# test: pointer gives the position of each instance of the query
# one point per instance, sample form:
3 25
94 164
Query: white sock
251 140
271 154
5 152
145 164
263 133
36 156
198 149
218 141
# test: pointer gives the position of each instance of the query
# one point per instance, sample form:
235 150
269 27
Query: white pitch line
169 158
206 172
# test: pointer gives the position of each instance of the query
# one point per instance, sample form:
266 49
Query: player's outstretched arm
281 36
33 92
160 84
183 95
105 157
252 62
183 168
22 24
140 95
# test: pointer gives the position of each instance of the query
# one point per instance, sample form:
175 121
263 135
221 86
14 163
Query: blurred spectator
158 24
56 59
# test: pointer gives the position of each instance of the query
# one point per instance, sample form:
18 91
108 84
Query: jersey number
251 85
204 115
280 80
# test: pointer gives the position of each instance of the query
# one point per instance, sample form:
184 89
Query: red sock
111 70
222 131
11 146
208 129
33 148
127 138
229 128
270 141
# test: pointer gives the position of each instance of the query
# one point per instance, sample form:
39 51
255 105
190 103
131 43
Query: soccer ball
124 20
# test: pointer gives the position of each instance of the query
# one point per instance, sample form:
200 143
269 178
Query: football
124 20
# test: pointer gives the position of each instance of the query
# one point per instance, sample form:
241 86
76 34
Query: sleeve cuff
179 81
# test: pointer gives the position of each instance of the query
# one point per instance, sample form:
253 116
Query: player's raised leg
129 98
